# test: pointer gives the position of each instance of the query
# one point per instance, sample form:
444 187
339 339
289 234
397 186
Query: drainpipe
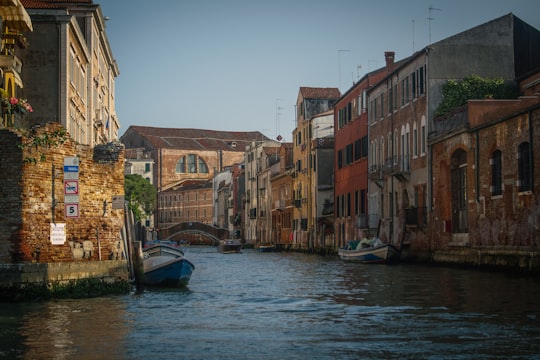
476 162
531 157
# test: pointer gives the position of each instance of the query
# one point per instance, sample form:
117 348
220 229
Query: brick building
352 217
486 180
182 155
186 201
401 110
36 199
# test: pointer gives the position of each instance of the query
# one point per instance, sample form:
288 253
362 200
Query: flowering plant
12 105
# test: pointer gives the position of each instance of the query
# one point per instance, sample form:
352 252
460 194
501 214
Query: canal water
289 306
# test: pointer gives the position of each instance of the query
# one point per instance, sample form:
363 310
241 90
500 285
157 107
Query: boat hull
165 266
383 254
266 248
229 246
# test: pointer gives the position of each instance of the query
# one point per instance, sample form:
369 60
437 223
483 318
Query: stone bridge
195 233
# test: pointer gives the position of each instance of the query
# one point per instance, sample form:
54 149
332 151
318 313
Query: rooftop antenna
430 10
278 113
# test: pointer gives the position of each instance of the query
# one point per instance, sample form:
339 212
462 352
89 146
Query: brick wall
26 173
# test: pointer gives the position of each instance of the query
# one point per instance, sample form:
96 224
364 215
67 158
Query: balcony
399 167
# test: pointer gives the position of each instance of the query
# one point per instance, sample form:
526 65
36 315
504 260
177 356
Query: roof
189 184
192 139
52 4
319 93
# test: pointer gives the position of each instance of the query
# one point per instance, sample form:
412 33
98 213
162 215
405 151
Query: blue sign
71 168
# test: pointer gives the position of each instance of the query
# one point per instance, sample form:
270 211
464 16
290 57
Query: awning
15 16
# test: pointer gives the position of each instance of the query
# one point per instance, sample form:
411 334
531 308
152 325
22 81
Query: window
415 141
202 166
423 136
524 167
348 154
382 106
348 204
146 167
364 146
192 165
181 165
405 91
357 149
340 159
362 201
356 202
496 173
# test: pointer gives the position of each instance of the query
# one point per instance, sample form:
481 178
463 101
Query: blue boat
165 266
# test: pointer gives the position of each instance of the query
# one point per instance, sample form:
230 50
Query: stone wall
27 162
33 281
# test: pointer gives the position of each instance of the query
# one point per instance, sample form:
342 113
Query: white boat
376 254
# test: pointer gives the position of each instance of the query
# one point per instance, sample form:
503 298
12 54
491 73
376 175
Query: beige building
311 102
257 219
72 69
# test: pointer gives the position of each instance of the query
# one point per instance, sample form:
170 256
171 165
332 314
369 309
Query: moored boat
377 253
229 246
266 248
165 265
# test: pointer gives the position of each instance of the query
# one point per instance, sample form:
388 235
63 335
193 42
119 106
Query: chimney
389 57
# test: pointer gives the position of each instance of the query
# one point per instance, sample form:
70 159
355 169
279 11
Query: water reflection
293 306
64 329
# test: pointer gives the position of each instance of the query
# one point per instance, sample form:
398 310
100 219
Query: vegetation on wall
38 144
456 93
141 196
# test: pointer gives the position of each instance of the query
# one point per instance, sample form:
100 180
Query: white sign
71 199
72 210
71 187
73 160
58 234
71 175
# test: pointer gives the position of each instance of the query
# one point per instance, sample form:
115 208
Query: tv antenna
430 18
278 113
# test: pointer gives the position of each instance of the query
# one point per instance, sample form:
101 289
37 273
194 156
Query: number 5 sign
72 210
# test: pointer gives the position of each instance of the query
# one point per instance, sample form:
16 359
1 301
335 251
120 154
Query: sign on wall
71 187
58 234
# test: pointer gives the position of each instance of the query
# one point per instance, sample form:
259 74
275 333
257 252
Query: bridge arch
194 232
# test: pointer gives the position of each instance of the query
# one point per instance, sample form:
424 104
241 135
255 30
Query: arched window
496 173
524 167
202 166
181 165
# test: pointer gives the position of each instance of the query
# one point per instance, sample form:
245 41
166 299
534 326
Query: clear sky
237 65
